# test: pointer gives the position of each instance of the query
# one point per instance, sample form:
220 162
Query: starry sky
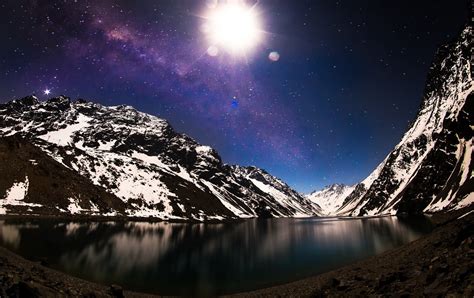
323 97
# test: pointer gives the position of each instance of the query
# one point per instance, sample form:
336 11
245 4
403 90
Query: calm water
205 259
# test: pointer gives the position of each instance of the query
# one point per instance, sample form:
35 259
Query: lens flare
274 56
234 27
213 51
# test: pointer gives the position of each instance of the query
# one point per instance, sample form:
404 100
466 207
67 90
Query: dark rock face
430 169
135 158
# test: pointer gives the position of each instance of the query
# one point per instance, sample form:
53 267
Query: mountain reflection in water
205 259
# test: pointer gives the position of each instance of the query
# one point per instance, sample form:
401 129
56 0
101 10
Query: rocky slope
63 157
431 169
330 198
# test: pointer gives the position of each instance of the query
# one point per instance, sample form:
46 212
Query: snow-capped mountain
431 169
63 156
330 198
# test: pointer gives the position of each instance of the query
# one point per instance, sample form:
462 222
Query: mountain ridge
141 159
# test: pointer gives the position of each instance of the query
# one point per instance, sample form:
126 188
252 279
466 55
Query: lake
205 258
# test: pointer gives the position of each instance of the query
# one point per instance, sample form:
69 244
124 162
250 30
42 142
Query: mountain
330 198
431 169
78 157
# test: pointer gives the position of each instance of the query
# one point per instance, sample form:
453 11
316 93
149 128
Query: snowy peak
330 198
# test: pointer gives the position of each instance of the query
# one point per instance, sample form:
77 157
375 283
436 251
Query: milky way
323 98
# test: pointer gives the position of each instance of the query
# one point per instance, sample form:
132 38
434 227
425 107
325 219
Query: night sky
348 81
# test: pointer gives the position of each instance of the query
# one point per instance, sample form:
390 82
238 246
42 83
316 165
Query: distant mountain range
331 198
63 157
431 169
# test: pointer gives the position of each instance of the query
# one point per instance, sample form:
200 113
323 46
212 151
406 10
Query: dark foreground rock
23 278
439 264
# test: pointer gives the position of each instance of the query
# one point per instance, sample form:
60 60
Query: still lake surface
205 258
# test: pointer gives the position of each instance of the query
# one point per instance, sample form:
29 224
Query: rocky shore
441 263
23 278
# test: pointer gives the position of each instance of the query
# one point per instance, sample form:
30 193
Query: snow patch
74 207
63 137
15 196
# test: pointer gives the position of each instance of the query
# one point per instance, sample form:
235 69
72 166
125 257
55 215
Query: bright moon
234 27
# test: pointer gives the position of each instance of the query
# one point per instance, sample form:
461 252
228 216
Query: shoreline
430 265
100 218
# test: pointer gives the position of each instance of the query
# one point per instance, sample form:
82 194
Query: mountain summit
331 198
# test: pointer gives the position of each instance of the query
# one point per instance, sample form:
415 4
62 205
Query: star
47 91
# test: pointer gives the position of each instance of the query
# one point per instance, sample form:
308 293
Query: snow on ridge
280 197
405 178
225 202
155 160
367 182
150 160
203 149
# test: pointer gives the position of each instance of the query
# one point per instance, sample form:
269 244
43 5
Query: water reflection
205 259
